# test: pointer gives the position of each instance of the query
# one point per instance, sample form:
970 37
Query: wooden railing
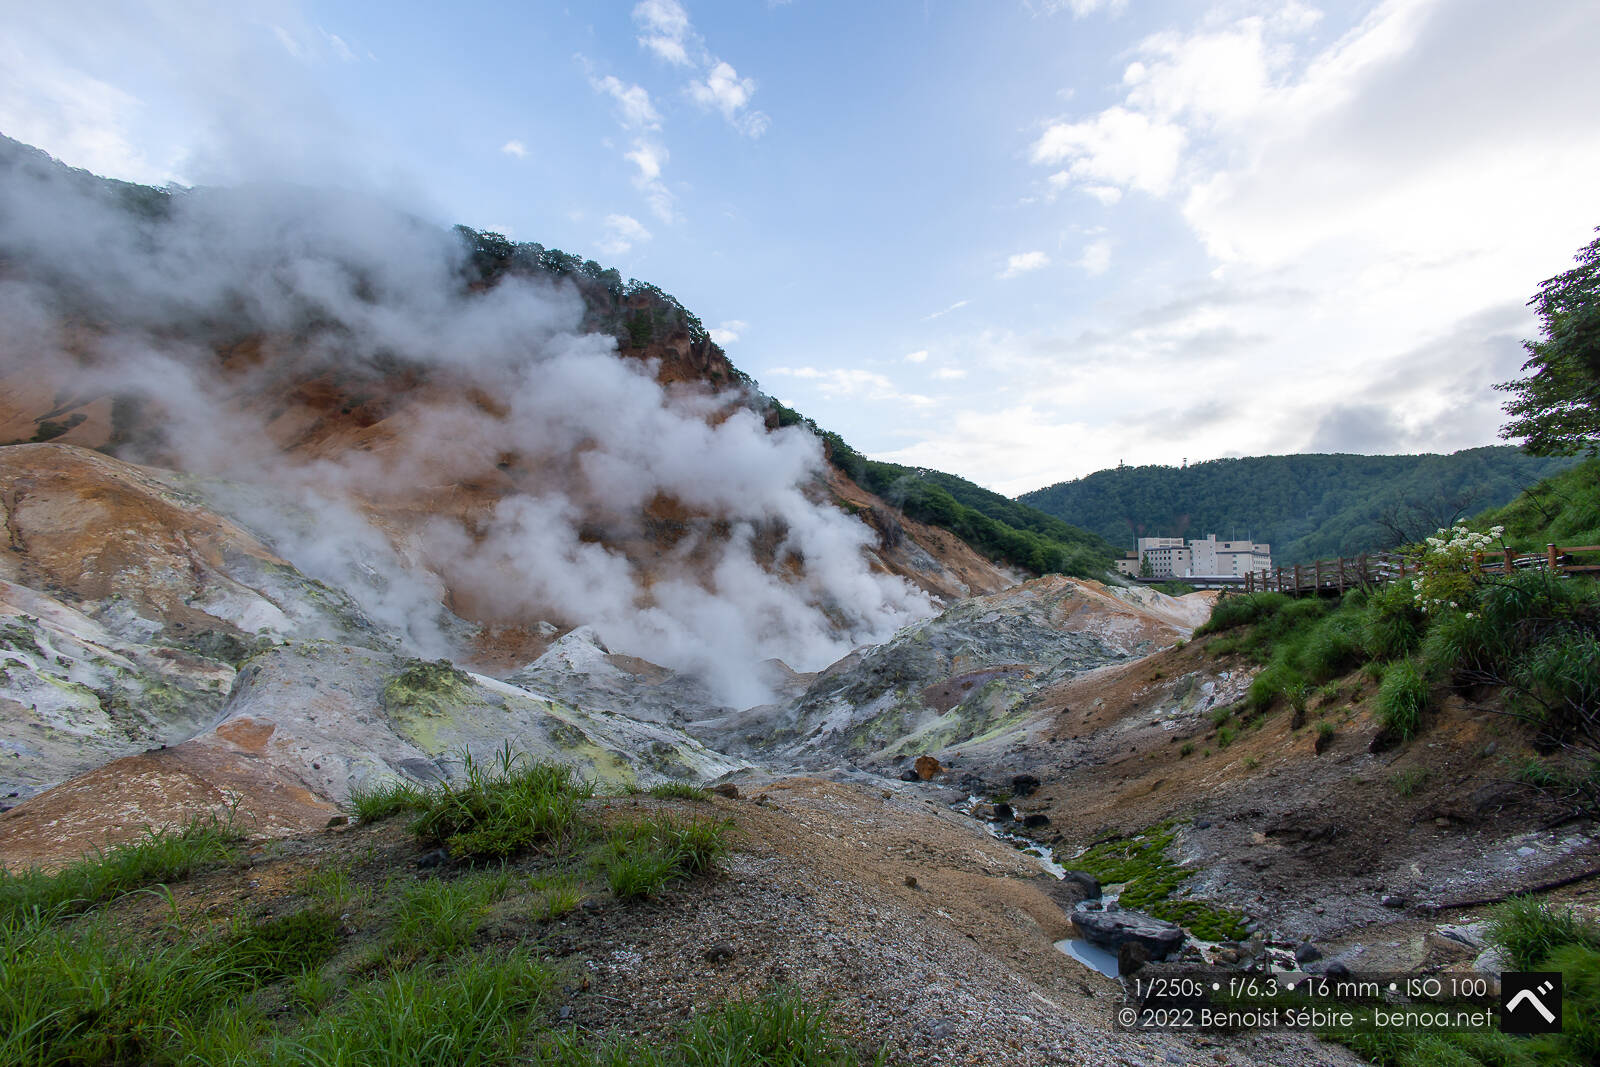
1380 568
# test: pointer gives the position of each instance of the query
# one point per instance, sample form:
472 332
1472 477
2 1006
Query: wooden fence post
1319 576
1297 579
1510 561
1552 559
1341 576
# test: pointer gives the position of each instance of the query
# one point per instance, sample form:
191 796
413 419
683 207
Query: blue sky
1019 240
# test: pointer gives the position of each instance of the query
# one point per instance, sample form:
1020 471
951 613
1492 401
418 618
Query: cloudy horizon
1019 242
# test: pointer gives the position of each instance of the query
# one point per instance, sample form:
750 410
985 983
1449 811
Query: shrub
1448 569
1334 648
1558 682
1231 612
1402 699
1393 626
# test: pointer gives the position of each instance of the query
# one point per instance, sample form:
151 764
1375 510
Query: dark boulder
1088 882
1024 785
1111 927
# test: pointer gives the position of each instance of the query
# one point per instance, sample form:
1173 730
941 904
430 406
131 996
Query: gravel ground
958 969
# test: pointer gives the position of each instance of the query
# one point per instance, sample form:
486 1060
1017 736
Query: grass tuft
642 857
517 806
384 800
1402 699
1529 929
158 857
679 791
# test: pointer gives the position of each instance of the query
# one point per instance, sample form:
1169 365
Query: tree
1556 408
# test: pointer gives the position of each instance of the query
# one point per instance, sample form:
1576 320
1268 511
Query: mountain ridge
1306 505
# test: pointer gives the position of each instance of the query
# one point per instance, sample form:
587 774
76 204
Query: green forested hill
1307 507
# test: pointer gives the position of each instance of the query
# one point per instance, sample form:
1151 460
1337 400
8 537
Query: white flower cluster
1463 541
1448 565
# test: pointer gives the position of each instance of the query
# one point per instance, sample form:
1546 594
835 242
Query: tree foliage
1555 409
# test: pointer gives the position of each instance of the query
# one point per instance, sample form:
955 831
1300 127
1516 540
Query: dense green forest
1307 507
997 526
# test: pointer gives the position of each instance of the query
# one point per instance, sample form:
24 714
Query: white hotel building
1173 557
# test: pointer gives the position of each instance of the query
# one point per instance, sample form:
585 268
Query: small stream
1090 955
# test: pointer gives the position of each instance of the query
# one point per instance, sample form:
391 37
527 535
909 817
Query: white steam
335 282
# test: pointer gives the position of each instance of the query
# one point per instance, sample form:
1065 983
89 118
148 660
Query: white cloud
723 90
340 48
836 383
1079 8
1117 147
957 306
1023 262
1366 201
622 232
1096 257
950 374
515 148
714 85
665 30
729 332
919 356
634 109
650 157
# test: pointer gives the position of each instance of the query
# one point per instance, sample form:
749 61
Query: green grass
384 800
157 857
516 806
639 858
555 896
1529 929
481 1011
679 791
273 949
1408 782
439 916
1151 878
1402 699
86 980
1564 508
1535 936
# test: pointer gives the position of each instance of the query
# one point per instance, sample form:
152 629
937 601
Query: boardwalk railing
1380 568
